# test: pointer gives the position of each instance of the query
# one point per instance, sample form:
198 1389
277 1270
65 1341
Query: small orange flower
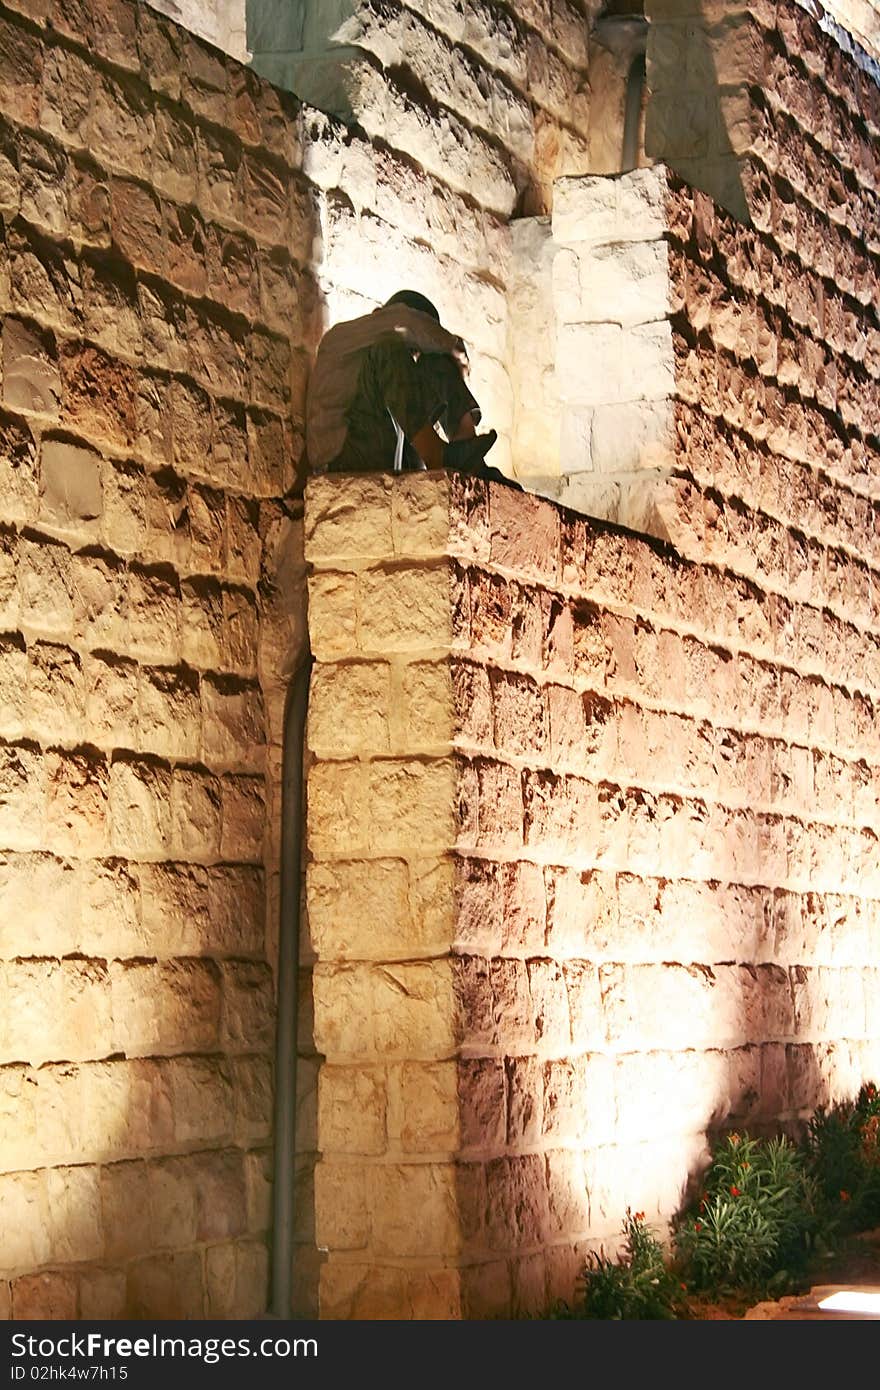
698 1225
745 1164
639 1216
735 1192
734 1138
844 1195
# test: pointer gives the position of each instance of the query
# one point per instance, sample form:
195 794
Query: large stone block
352 1110
31 381
42 1297
342 1218
166 1286
404 609
25 1219
424 1109
349 707
624 282
413 1209
360 910
377 1292
602 209
332 615
13 683
348 518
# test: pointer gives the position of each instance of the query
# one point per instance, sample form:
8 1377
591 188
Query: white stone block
575 443
620 207
490 383
589 366
591 495
618 282
632 435
585 209
535 444
641 207
532 349
647 363
566 280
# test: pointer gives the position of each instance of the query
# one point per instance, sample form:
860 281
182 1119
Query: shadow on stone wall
699 110
536 1197
156 331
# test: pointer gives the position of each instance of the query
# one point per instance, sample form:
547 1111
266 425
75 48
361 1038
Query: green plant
842 1146
757 1221
639 1285
768 1207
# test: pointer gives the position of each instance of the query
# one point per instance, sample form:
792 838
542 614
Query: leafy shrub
768 1206
757 1219
843 1152
640 1285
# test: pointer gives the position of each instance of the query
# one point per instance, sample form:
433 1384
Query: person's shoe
466 455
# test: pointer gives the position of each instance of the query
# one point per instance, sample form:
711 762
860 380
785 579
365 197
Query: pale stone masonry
593 869
664 910
592 844
156 309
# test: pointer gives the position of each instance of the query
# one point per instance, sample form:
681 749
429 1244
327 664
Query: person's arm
419 330
393 321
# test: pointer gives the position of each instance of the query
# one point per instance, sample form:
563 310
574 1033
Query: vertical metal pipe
288 987
635 87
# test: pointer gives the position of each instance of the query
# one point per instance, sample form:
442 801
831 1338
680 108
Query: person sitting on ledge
380 385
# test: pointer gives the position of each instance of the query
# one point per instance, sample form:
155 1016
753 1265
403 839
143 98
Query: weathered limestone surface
493 99
156 314
740 94
222 22
591 346
543 749
655 909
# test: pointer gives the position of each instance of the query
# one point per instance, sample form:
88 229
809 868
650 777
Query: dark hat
413 300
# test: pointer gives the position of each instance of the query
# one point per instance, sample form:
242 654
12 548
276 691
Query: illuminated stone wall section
636 295
591 348
594 869
492 99
154 345
381 830
732 87
222 22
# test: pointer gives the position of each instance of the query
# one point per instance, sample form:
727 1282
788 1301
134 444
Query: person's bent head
413 300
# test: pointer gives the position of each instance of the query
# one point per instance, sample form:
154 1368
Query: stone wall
222 22
658 906
156 321
493 98
594 871
737 92
637 294
495 676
